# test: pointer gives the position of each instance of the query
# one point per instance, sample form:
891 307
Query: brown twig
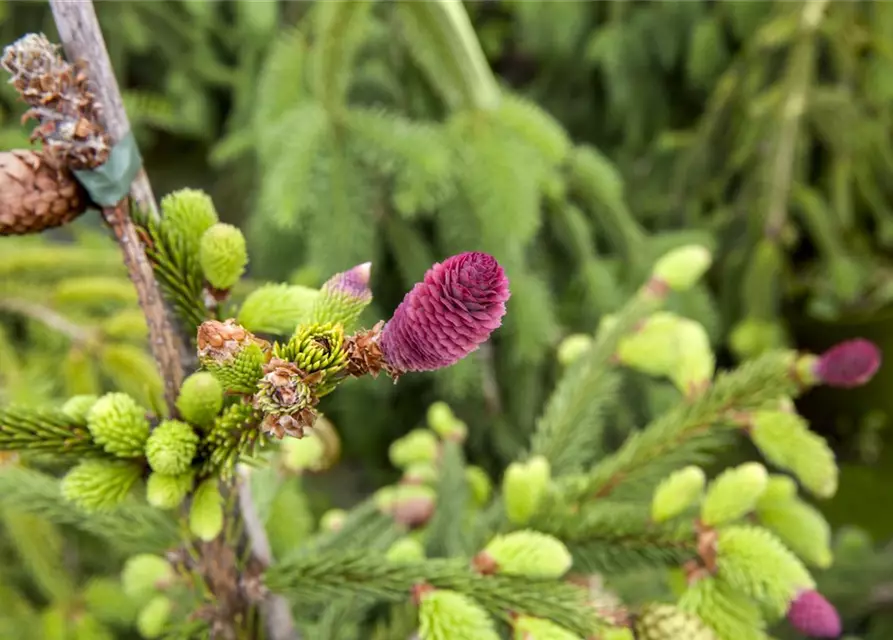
82 40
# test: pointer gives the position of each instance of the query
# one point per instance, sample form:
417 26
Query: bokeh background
762 129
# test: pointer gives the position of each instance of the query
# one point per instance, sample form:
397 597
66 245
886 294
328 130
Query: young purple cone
344 296
848 364
813 616
447 315
354 282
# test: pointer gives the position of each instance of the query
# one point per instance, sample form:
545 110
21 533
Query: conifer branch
321 576
131 527
48 317
44 430
82 39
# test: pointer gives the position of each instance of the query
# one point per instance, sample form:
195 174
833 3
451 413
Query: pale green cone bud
277 308
680 269
785 440
206 512
480 485
411 505
78 407
802 528
200 399
99 485
524 486
406 550
667 622
573 347
419 445
167 492
188 213
752 337
695 363
420 473
524 553
652 348
679 491
223 255
780 490
105 598
444 423
530 628
119 425
743 554
171 447
317 348
154 617
344 296
144 575
332 520
734 494
450 615
303 454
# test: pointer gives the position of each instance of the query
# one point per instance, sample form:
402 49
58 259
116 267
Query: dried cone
34 197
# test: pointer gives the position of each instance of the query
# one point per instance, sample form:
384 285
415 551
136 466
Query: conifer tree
203 492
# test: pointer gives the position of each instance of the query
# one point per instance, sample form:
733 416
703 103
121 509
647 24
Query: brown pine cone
34 197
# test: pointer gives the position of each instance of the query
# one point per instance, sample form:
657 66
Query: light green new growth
99 485
277 308
734 494
206 511
171 447
677 492
223 255
119 424
528 553
200 398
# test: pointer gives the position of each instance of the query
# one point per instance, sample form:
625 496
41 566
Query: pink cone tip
448 315
354 281
813 616
848 364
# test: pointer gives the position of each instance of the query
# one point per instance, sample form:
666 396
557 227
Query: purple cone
848 364
354 282
813 616
447 315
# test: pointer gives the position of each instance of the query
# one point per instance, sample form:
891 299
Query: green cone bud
419 445
801 527
232 354
171 447
752 337
206 512
744 553
682 268
188 213
411 505
332 520
200 399
779 490
223 255
786 441
167 492
154 617
344 296
448 615
317 348
99 485
406 549
277 308
78 407
303 454
144 575
573 347
106 599
119 425
529 628
667 622
525 553
734 494
523 487
652 348
695 362
677 492
420 473
480 485
444 423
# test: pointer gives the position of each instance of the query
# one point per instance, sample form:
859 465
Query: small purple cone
354 281
447 315
813 616
848 364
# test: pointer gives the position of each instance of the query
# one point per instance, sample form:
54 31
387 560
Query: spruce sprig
320 576
47 430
